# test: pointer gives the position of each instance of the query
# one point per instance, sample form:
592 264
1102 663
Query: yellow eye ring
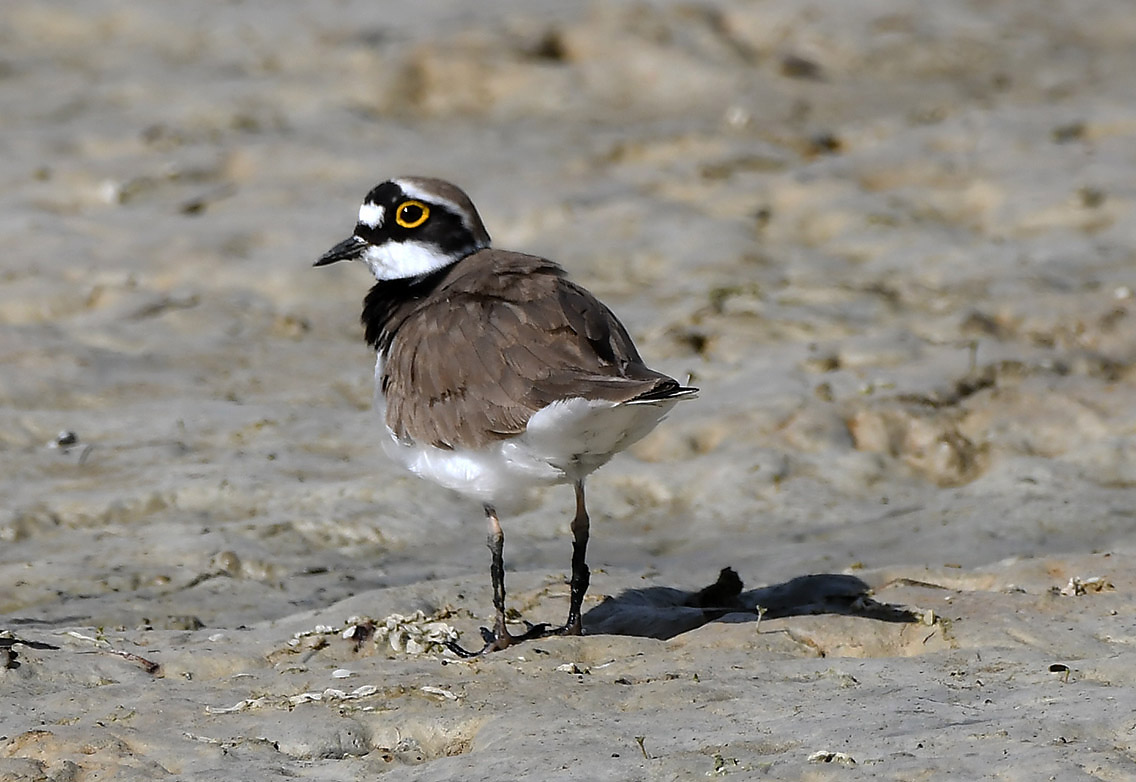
411 214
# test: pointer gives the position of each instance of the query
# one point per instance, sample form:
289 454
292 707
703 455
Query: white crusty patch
371 215
399 260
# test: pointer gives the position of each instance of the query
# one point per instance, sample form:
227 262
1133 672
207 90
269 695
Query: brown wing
503 337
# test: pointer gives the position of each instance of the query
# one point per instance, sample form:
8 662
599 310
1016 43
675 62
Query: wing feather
503 336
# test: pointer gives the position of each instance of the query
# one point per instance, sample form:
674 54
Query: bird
494 371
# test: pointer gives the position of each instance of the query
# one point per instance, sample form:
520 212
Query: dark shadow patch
664 612
8 654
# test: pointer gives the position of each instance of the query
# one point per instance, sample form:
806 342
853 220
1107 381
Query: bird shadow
664 612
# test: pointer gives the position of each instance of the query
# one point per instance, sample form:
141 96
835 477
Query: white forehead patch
371 215
399 260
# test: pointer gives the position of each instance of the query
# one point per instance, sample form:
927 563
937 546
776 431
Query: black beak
350 249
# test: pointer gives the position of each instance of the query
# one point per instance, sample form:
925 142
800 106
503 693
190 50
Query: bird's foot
572 628
499 640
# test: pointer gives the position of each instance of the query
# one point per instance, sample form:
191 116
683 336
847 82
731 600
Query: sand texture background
891 241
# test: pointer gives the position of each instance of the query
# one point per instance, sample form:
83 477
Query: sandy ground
891 241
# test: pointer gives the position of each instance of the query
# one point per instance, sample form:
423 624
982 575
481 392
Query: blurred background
891 241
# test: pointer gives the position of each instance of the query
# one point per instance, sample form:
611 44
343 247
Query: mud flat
892 244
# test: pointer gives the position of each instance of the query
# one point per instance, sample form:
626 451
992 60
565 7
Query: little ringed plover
495 372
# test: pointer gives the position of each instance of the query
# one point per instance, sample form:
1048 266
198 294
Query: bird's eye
411 214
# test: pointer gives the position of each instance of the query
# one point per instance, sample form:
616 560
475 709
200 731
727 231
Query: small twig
101 645
149 666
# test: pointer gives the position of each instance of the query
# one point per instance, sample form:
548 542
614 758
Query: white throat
399 260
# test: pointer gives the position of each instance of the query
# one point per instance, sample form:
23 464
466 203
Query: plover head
410 227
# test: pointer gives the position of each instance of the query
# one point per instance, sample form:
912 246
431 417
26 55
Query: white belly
563 443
